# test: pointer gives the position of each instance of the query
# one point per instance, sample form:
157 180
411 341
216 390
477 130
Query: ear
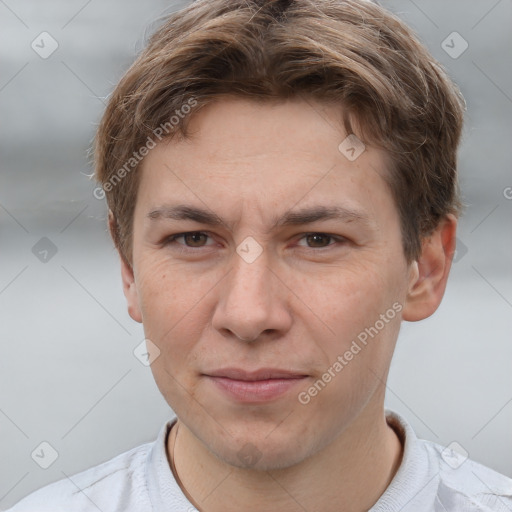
129 286
430 273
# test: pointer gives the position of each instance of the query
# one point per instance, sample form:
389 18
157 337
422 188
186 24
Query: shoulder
465 484
432 477
118 484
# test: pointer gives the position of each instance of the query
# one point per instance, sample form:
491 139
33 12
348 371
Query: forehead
265 157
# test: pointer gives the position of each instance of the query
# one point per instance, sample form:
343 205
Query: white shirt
430 479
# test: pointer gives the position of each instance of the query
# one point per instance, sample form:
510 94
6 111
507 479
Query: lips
256 386
261 374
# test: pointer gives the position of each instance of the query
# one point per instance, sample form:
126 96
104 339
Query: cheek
354 296
173 312
165 291
174 304
361 309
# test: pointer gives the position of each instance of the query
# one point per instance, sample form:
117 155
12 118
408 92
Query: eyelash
184 248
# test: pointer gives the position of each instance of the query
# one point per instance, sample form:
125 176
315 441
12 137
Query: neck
350 474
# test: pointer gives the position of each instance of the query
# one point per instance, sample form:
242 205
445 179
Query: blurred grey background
68 375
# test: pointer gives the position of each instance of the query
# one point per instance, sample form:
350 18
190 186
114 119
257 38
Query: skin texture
300 304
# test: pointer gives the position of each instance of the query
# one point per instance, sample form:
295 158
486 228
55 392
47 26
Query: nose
253 302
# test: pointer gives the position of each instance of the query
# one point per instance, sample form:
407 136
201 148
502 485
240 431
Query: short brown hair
348 52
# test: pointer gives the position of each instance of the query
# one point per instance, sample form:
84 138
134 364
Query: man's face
264 290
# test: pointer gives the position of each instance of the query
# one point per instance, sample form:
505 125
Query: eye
196 239
192 239
320 240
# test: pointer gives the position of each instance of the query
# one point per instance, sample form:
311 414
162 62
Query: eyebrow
289 218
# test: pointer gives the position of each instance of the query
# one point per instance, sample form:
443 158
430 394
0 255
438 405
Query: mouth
257 386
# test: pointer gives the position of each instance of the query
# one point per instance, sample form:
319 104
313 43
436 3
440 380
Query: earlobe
127 275
429 274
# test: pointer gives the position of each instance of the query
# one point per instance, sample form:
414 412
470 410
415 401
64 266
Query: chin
263 454
253 459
